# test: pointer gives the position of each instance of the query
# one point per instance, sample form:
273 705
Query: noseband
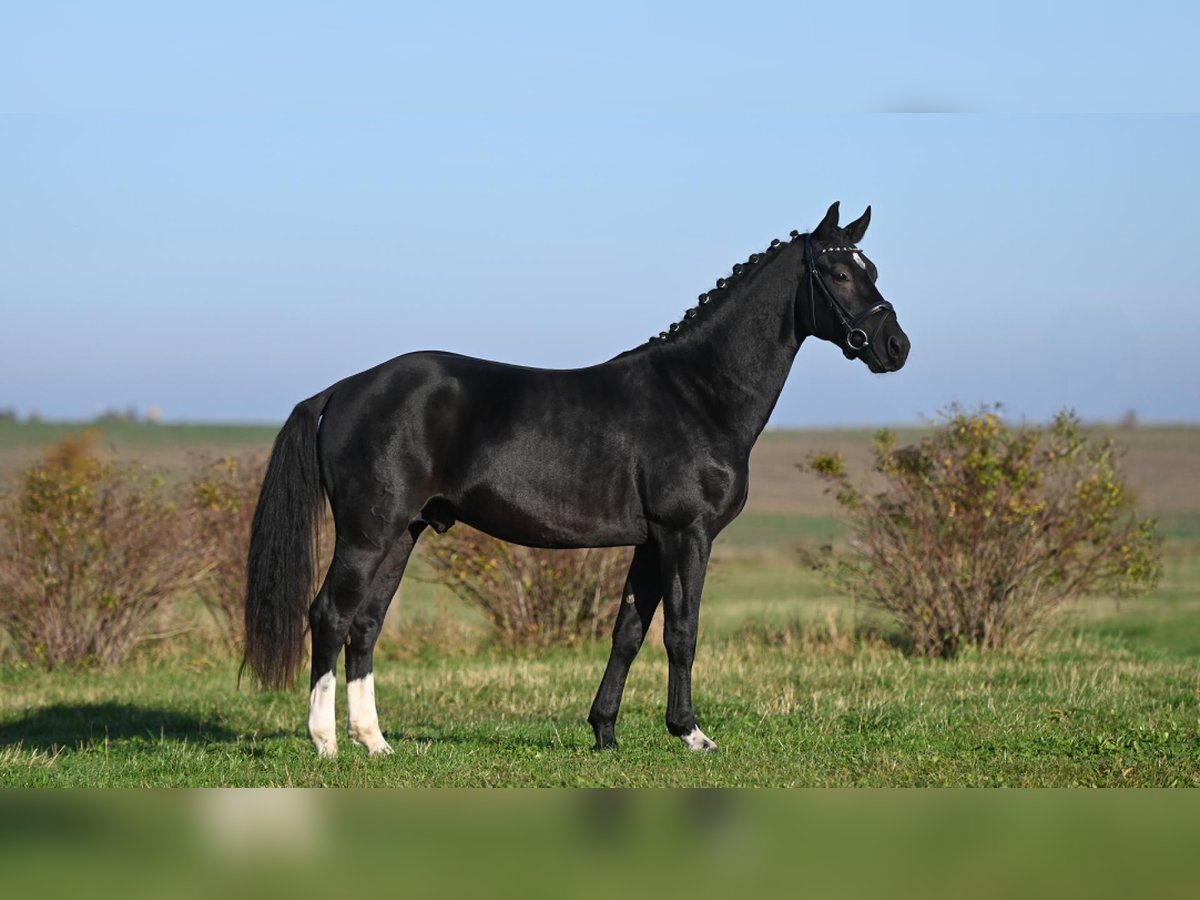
856 338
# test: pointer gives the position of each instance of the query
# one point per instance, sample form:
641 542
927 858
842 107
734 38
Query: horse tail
281 566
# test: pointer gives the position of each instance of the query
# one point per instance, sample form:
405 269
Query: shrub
91 553
532 597
224 494
980 531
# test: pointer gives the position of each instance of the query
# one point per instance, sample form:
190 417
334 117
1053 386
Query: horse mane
721 291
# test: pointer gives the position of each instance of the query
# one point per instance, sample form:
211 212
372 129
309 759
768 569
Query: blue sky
219 213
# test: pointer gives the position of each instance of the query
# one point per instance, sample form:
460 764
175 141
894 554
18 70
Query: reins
856 338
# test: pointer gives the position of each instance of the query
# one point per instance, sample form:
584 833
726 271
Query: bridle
856 338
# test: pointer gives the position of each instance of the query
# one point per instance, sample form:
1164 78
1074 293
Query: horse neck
733 358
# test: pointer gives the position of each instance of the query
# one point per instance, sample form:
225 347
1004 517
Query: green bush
91 553
980 530
532 597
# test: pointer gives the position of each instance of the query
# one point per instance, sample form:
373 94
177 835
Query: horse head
843 305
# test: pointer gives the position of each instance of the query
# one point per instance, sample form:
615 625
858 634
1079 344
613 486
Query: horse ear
828 226
856 229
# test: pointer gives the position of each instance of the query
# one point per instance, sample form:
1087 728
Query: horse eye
843 276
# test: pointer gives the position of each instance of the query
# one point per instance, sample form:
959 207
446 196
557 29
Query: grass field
798 686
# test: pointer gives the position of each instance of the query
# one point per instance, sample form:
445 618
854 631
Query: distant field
170 447
135 436
1162 463
800 686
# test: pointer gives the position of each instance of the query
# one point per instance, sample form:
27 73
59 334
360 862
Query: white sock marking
322 724
364 720
697 740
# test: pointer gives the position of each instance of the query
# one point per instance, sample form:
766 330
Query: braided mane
722 290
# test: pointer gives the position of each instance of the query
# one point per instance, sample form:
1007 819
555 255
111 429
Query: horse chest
706 489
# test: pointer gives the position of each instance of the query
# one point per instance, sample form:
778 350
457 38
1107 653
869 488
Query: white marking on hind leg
364 720
322 724
698 741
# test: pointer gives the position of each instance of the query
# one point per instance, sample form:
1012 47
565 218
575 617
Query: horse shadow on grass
73 725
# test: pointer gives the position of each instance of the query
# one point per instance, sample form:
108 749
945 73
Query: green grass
799 687
763 531
1167 625
1179 526
787 711
1112 698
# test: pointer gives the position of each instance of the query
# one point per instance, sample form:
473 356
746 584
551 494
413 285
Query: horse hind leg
347 587
363 720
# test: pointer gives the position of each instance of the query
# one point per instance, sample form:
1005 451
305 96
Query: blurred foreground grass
585 844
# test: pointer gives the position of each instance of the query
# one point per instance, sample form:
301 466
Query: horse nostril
895 347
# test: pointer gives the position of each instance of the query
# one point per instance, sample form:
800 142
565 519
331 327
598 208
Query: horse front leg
684 563
643 592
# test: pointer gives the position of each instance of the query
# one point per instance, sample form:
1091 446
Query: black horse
649 449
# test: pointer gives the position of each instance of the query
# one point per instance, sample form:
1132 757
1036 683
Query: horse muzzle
888 355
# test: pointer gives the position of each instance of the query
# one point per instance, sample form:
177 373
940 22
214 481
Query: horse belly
554 505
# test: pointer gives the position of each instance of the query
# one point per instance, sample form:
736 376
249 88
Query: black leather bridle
856 339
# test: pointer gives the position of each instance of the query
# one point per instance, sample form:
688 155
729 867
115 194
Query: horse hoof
326 749
373 741
381 748
698 742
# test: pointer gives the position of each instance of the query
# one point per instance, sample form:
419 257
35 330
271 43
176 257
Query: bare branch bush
532 597
981 531
223 496
91 556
